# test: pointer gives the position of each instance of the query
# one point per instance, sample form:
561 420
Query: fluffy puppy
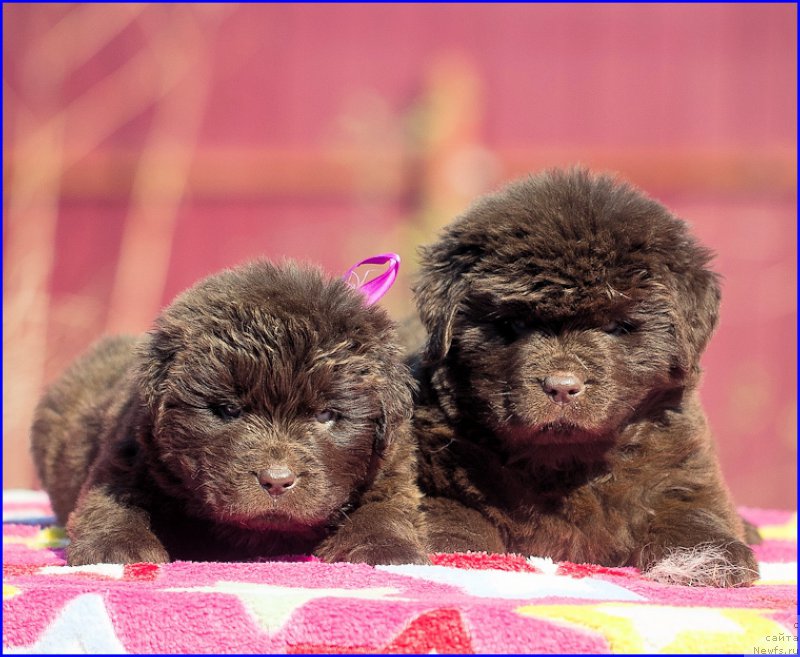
558 412
266 413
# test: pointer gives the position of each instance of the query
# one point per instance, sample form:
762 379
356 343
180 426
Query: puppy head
556 306
273 394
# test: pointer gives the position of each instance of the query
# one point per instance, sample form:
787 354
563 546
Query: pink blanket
463 603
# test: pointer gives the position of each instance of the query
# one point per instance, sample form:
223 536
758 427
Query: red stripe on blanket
483 561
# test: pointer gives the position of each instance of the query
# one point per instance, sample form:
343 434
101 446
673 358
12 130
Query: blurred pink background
149 145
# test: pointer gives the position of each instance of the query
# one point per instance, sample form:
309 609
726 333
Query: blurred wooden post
451 164
161 176
31 216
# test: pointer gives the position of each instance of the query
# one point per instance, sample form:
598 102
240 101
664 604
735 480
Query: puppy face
272 392
557 307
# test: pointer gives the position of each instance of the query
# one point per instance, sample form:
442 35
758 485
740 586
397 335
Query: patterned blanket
463 603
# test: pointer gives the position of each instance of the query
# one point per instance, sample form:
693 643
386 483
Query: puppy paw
82 552
751 534
374 554
709 564
452 527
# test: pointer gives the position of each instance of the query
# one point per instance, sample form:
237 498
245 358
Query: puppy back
72 416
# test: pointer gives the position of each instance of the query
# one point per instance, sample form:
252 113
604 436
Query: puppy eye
617 328
513 327
326 416
518 325
227 411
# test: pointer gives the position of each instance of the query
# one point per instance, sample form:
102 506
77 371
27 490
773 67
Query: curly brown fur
558 412
267 413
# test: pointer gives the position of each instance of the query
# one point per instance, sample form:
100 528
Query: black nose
276 479
562 387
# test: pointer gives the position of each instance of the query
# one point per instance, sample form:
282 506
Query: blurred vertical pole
165 163
448 164
31 213
453 166
31 217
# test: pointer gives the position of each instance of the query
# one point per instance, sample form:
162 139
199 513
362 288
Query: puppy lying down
558 412
266 413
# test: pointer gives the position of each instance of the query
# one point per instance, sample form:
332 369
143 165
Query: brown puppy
558 412
267 413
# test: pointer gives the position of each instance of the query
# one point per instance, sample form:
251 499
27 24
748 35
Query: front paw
374 553
83 551
727 564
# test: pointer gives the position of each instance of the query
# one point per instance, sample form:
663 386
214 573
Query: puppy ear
156 354
396 406
700 293
439 291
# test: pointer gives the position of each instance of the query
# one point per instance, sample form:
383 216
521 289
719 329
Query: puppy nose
562 387
276 479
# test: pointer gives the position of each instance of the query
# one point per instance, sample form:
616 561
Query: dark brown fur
569 273
150 448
